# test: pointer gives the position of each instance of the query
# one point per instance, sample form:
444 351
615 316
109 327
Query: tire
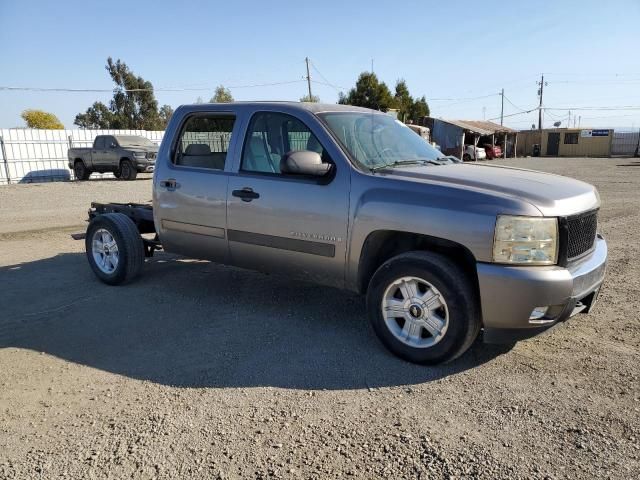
114 229
117 173
466 157
80 171
127 171
445 284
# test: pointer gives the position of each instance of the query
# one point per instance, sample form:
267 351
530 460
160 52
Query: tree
133 106
165 114
221 95
41 119
369 92
403 100
419 109
310 99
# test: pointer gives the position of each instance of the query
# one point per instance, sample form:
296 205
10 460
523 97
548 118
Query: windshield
134 141
376 140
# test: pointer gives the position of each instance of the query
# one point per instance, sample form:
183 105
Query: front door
287 223
191 188
553 143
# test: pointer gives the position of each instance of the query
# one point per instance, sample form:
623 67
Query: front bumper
508 295
144 165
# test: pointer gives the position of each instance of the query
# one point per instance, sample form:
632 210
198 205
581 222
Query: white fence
625 143
32 155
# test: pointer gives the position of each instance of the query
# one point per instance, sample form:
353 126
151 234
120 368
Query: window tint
204 142
99 143
110 142
571 138
270 136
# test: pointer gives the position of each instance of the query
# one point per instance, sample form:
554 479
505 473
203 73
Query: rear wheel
80 170
423 308
115 250
127 172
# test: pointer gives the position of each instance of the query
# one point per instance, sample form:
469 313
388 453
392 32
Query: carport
453 135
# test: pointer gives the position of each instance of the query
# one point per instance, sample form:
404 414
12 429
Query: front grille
581 233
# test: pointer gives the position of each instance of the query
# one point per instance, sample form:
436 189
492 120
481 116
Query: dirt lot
203 371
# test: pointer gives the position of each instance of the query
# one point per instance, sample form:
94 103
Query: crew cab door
286 223
190 188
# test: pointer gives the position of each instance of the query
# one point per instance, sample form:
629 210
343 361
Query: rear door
191 187
286 223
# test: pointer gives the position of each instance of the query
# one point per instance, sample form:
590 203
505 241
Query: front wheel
466 157
115 250
127 171
423 308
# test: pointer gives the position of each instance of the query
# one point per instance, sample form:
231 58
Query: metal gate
624 143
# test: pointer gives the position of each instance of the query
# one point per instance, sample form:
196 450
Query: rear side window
270 136
204 142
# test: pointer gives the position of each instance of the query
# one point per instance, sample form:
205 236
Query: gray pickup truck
351 198
124 155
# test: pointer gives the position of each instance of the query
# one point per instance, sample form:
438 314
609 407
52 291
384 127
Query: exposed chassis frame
140 213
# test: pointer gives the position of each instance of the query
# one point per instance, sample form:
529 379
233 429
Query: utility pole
306 59
540 91
569 120
502 107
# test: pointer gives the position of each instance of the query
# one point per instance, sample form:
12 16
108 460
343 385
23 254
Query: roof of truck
311 107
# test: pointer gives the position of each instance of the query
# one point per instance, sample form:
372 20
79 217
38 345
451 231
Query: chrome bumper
508 295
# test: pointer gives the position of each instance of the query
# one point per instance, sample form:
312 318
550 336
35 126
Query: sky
459 54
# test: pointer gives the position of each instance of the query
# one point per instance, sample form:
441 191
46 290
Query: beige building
566 142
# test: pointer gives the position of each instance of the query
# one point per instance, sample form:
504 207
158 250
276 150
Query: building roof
483 127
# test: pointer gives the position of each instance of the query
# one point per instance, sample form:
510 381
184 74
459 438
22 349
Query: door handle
169 184
246 194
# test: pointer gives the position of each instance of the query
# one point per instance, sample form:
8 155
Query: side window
204 141
99 143
110 142
270 136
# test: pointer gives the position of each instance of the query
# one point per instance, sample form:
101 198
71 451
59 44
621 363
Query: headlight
140 154
526 240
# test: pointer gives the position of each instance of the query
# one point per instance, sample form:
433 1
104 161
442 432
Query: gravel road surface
203 371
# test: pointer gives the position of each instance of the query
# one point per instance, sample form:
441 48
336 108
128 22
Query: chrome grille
581 233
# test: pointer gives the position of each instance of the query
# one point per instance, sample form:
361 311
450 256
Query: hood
553 195
142 149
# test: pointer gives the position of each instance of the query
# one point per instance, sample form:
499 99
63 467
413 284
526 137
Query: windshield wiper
399 163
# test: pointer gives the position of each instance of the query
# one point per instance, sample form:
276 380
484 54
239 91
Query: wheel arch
381 245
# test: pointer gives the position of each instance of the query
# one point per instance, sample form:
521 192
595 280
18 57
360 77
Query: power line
104 90
337 88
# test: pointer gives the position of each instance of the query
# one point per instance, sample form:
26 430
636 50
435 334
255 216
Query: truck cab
351 198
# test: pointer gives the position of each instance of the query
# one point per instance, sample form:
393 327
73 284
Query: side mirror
304 162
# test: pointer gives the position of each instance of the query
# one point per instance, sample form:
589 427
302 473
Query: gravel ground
204 371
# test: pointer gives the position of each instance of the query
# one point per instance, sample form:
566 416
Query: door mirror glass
304 162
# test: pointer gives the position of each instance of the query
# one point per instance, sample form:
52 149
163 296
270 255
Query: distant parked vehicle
124 155
420 130
471 153
492 151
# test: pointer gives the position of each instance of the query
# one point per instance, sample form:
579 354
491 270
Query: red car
493 151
